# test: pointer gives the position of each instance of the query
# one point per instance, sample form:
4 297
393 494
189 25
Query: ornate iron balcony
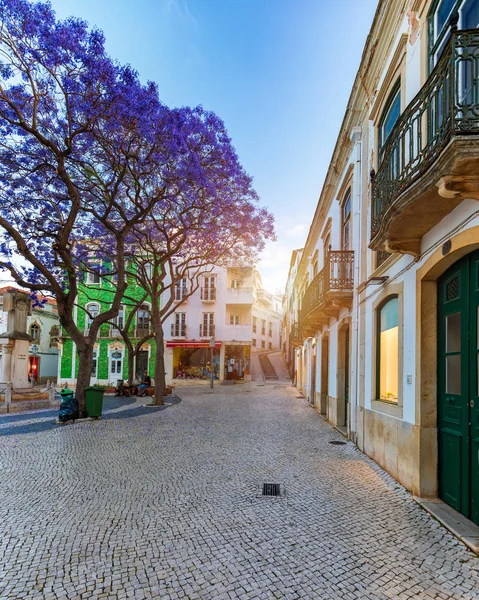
331 289
295 338
446 107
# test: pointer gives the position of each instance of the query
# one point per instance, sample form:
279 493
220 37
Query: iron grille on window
178 330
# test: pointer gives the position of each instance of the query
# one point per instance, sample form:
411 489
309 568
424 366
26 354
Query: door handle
471 403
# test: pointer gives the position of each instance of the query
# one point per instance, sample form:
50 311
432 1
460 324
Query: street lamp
212 346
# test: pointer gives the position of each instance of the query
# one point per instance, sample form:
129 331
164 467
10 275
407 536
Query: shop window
346 222
387 348
35 332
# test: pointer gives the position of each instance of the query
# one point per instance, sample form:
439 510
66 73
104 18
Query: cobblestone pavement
150 503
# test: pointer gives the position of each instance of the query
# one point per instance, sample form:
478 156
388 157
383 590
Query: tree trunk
85 356
160 382
131 359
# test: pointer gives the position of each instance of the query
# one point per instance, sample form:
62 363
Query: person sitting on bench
144 385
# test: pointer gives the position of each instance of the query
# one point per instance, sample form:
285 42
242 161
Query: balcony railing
207 331
446 106
141 331
178 330
295 338
332 287
208 294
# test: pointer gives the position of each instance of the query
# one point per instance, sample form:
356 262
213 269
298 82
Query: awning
191 344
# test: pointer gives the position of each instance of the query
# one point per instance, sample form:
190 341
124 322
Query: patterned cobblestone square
163 503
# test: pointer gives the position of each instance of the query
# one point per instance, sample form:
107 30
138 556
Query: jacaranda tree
92 162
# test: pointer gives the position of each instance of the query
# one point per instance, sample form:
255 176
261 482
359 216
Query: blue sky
278 72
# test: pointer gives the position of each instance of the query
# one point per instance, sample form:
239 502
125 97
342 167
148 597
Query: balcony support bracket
458 186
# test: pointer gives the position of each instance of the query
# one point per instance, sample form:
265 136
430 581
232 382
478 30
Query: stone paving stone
163 504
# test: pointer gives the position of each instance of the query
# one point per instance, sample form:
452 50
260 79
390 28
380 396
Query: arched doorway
458 385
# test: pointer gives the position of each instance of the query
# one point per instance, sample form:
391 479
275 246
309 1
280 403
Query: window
147 270
35 332
94 364
253 342
209 288
179 326
270 346
235 284
327 247
180 289
389 116
270 329
92 311
207 328
254 324
234 319
119 320
387 375
93 276
143 320
263 344
116 362
263 326
346 222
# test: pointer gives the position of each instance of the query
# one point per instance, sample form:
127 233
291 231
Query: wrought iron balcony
295 338
178 330
430 161
207 331
208 294
330 290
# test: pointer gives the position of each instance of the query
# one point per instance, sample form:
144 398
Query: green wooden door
458 416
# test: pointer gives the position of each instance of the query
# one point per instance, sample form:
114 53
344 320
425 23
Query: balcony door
458 393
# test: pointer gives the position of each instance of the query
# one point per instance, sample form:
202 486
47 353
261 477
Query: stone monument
15 341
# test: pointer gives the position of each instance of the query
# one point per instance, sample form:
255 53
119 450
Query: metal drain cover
337 443
271 490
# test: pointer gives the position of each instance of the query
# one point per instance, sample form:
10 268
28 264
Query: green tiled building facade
110 361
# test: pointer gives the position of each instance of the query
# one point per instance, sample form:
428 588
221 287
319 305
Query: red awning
191 344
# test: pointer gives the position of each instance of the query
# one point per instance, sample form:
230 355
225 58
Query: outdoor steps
267 367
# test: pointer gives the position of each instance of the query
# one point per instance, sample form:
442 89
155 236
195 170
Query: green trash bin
94 400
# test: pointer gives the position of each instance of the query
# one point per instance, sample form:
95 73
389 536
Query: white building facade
230 307
43 326
387 284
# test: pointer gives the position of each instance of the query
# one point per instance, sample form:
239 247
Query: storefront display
237 361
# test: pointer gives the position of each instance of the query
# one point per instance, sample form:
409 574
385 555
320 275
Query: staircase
268 369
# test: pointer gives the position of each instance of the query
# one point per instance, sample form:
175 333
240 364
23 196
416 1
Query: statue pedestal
15 362
15 342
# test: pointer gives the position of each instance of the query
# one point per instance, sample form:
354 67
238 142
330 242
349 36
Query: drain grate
271 489
336 443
